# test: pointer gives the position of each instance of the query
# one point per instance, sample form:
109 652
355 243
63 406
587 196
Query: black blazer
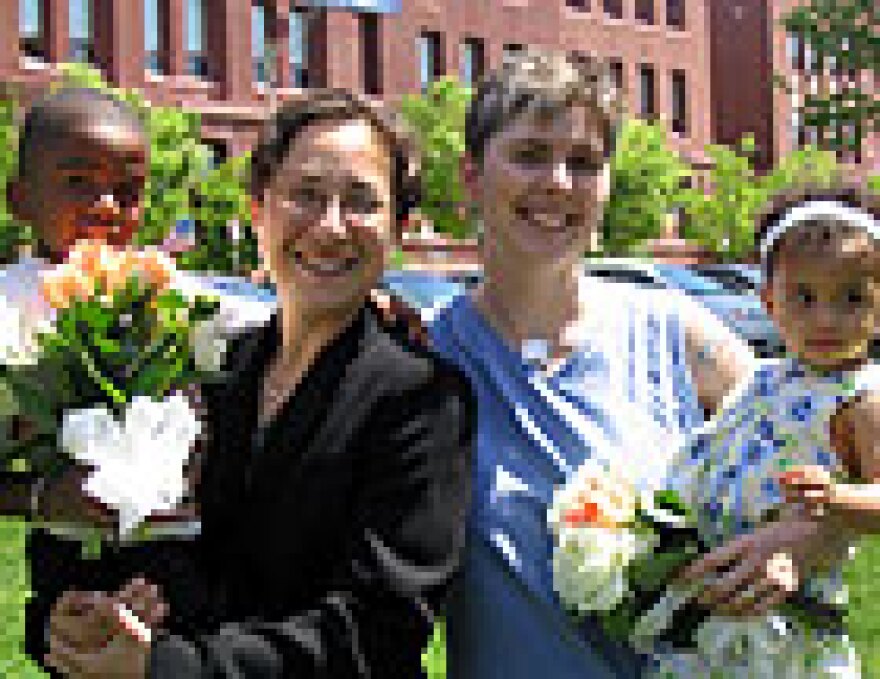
329 538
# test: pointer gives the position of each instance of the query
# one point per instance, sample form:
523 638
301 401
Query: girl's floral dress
778 418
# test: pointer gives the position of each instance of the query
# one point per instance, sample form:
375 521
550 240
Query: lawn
863 575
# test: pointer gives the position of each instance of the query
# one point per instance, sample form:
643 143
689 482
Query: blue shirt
627 377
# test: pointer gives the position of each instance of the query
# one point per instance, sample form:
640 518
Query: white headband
815 210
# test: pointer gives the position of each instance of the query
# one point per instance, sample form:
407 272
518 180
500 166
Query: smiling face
543 182
325 222
825 294
87 184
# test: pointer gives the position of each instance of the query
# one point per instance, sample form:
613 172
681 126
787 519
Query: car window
689 281
626 276
732 280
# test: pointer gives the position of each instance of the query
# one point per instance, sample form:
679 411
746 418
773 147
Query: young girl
799 435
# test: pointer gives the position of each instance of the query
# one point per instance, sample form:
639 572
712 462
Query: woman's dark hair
55 115
785 201
545 80
282 130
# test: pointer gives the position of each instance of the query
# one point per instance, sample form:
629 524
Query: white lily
139 463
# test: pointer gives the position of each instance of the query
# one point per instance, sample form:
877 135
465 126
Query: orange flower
93 263
90 257
585 515
63 284
155 267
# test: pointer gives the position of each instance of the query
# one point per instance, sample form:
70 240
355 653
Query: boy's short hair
547 80
288 122
54 115
784 201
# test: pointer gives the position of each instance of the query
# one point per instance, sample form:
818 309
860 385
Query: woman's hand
752 574
91 634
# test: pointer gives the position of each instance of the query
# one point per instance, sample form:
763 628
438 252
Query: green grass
863 575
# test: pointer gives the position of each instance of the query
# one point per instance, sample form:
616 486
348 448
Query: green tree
436 118
13 234
723 218
844 34
647 177
219 200
874 183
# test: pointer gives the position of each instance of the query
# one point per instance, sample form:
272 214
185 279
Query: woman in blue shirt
567 368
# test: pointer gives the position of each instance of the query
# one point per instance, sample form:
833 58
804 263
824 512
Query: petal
91 435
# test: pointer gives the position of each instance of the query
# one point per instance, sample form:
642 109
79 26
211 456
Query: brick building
702 66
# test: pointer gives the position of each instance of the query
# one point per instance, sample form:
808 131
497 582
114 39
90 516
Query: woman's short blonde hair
542 80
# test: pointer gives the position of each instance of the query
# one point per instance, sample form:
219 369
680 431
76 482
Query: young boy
83 159
81 173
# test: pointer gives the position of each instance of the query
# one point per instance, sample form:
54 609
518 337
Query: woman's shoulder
410 365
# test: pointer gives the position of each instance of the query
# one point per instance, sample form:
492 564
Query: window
196 61
794 128
845 66
811 61
371 52
679 102
579 57
473 61
849 140
629 276
645 11
647 92
512 50
579 5
615 67
794 51
259 55
32 28
613 8
155 23
430 62
218 153
81 31
675 14
299 22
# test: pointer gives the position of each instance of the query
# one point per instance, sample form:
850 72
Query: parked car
428 291
738 305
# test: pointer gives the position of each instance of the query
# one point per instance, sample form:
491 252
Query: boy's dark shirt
330 536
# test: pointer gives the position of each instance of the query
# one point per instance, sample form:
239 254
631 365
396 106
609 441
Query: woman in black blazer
336 474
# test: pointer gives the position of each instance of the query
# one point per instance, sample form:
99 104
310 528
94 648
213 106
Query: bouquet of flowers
617 549
616 555
100 381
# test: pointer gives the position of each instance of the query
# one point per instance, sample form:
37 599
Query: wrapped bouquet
616 556
617 549
100 381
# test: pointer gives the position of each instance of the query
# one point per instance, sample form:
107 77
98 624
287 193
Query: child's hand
810 487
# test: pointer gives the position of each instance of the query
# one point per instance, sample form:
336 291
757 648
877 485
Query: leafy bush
436 118
13 234
646 183
723 218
